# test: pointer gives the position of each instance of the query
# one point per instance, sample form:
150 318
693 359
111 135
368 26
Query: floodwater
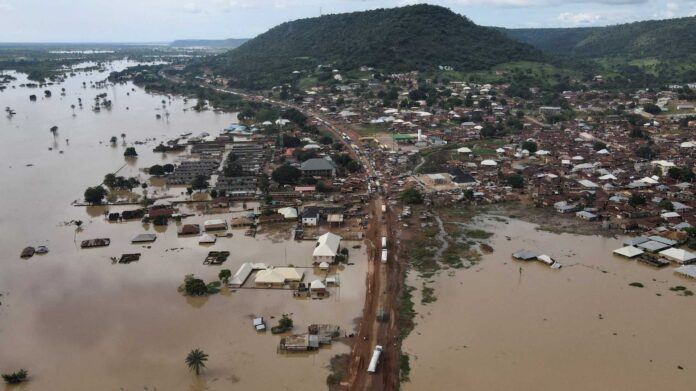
76 321
507 325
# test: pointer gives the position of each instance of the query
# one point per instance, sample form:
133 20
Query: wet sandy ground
77 322
506 325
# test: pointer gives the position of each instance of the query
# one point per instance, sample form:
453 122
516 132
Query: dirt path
384 286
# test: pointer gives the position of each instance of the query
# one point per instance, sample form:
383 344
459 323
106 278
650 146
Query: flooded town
174 218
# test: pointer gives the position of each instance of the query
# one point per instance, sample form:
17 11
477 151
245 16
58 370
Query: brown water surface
77 321
508 325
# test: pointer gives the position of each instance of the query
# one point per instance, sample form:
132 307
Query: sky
166 20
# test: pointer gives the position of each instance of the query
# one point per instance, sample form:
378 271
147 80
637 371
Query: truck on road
375 359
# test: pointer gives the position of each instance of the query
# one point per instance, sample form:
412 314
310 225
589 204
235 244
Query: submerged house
327 247
278 276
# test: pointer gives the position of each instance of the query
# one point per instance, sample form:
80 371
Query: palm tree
196 360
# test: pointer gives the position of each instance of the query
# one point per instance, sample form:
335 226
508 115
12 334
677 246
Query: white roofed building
327 247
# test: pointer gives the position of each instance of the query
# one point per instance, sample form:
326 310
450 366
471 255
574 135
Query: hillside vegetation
419 37
671 38
641 54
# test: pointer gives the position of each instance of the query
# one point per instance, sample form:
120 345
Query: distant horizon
65 21
170 41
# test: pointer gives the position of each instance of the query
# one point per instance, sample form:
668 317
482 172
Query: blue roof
234 127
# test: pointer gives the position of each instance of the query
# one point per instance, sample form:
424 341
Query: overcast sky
164 20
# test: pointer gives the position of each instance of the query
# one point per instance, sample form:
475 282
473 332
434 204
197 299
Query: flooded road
76 321
508 325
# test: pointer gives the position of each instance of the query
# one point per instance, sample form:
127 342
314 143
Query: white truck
375 359
384 242
384 206
384 255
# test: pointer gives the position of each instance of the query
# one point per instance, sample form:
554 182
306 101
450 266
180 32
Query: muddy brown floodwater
507 325
78 322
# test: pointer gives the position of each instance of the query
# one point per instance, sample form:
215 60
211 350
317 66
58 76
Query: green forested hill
419 37
671 38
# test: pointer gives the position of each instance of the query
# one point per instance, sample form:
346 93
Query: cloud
192 8
6 6
545 3
589 18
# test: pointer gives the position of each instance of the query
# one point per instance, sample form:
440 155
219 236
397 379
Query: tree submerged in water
130 152
16 377
195 360
193 286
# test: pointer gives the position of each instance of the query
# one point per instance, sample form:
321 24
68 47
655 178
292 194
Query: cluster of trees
646 152
95 195
411 196
345 161
652 108
158 170
130 152
303 155
233 168
636 199
286 175
120 183
200 182
530 146
516 181
684 174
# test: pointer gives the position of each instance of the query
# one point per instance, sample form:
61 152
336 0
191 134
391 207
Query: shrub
16 377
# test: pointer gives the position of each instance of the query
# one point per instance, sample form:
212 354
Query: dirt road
383 288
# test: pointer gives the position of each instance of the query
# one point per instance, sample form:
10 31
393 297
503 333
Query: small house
215 224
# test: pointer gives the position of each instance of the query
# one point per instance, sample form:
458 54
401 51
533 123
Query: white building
327 247
278 276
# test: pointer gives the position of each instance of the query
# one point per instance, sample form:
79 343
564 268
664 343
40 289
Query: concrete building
327 247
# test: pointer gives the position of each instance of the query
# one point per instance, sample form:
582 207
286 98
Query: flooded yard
505 324
76 320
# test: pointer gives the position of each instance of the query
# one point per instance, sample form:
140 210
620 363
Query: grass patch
422 256
407 311
368 130
478 233
404 367
453 230
483 151
452 260
339 367
307 82
636 284
428 295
